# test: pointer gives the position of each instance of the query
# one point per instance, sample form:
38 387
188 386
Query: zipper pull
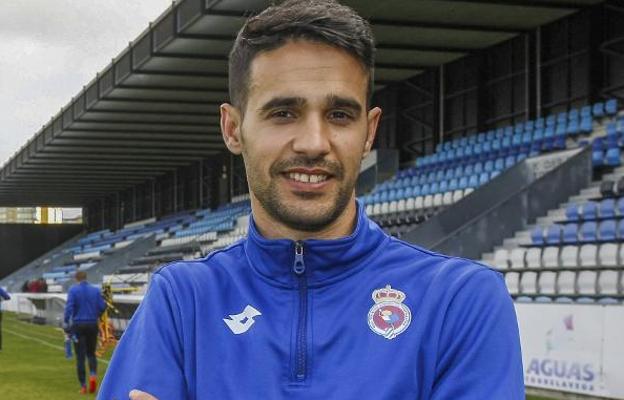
299 266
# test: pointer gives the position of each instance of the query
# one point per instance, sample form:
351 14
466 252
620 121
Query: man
3 296
318 302
82 311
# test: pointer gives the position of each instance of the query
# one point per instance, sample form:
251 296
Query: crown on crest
388 294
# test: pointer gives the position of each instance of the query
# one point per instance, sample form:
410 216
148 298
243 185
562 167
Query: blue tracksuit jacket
84 304
362 317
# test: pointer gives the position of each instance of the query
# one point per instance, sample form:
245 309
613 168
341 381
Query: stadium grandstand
501 141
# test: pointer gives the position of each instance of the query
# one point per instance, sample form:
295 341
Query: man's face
305 131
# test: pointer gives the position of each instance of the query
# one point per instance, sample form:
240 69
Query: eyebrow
334 101
331 101
277 102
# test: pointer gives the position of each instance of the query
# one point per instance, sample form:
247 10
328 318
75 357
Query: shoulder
437 262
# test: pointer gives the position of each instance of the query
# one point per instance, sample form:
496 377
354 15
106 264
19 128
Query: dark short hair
80 275
322 21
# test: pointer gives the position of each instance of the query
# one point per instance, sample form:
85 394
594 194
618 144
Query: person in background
3 296
82 311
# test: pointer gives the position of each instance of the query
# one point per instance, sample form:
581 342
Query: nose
313 140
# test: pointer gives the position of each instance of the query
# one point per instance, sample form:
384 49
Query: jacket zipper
301 345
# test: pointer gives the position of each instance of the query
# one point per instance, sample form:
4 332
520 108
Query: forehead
306 69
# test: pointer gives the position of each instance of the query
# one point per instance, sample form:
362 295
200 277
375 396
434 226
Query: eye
340 115
282 114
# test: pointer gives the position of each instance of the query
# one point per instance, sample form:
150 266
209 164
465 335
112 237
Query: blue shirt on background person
84 304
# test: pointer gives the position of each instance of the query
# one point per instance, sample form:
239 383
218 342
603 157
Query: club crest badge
389 317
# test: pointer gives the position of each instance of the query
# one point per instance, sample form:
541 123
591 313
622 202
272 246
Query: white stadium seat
428 202
401 204
566 282
467 191
608 282
608 255
516 257
393 207
533 257
437 200
376 209
447 199
569 256
587 282
385 208
512 282
588 255
458 195
501 258
409 204
369 209
547 283
419 202
528 283
550 257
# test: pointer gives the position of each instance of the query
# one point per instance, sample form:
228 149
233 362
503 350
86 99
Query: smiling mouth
307 178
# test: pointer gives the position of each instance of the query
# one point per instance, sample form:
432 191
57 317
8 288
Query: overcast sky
50 49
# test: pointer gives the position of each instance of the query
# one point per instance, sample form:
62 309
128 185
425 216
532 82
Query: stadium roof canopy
155 107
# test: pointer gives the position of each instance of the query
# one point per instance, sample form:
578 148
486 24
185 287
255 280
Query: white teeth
307 178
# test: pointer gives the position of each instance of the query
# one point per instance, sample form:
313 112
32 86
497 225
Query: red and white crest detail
389 317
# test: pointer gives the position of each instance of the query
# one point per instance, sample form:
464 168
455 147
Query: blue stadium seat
607 208
573 127
443 186
510 161
499 164
598 110
562 118
612 158
551 120
573 114
570 233
572 212
481 137
561 129
620 229
491 135
484 178
608 230
468 170
553 234
539 123
529 126
473 181
586 111
597 157
478 168
589 232
519 127
611 107
587 124
488 166
537 235
620 206
463 182
453 184
589 210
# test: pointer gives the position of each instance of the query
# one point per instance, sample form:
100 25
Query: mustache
333 167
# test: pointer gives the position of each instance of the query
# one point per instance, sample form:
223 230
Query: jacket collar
325 260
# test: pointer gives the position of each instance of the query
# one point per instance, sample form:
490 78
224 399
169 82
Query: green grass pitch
33 364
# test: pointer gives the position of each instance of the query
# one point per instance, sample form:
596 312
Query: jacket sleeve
69 306
149 356
4 294
479 353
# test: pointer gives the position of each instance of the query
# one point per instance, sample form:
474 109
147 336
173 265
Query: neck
271 228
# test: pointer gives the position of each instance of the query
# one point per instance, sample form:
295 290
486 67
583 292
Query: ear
231 128
373 117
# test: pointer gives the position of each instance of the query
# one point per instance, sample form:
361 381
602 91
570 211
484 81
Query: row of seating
588 232
593 210
561 257
565 283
